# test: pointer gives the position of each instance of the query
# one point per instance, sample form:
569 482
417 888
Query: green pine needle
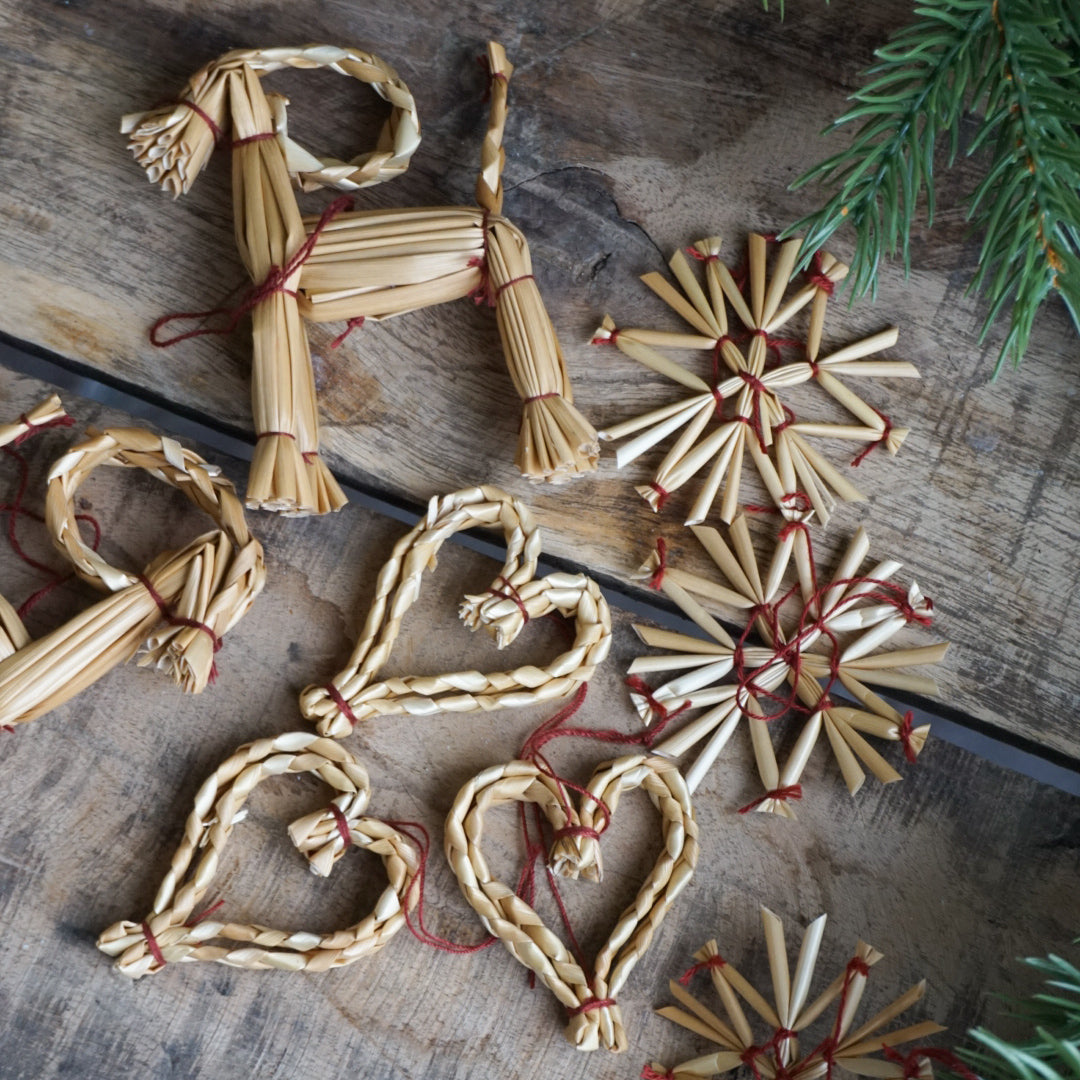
1017 64
1052 1049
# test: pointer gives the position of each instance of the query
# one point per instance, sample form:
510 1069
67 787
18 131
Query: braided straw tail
173 933
198 592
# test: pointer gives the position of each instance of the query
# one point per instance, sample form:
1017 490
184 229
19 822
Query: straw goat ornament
350 265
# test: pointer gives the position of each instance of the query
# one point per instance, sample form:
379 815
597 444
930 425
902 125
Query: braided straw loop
172 933
595 1019
515 597
173 142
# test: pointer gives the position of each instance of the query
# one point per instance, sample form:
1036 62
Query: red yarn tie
713 962
817 276
905 738
781 794
152 945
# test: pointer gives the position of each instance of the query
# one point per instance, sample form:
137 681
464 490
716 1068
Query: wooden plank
633 131
94 795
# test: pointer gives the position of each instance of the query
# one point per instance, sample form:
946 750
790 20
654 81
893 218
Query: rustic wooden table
634 129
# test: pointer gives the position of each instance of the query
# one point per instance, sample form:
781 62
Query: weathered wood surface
952 873
634 129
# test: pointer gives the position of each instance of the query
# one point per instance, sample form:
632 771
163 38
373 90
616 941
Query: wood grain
951 873
634 129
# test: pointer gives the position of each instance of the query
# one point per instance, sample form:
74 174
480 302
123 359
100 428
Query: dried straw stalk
790 1013
204 587
174 933
514 598
744 392
848 616
595 1017
13 635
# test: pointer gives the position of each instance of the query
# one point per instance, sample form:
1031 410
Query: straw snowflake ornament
741 396
818 635
864 1051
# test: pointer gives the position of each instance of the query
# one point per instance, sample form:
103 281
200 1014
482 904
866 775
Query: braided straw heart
514 598
595 1018
169 934
178 608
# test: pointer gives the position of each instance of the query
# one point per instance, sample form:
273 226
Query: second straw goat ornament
353 265
176 610
515 597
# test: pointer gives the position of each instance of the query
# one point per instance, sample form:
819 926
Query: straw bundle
791 1013
515 598
849 617
173 933
744 391
355 266
178 609
595 1019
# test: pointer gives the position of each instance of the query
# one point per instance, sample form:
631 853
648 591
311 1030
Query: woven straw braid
210 582
13 635
514 597
520 928
173 142
171 934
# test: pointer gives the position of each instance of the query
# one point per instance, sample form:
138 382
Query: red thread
798 501
510 594
419 930
541 397
716 962
591 1006
816 276
31 427
574 830
343 706
172 618
275 282
270 434
204 914
204 116
350 326
152 945
513 281
662 494
781 794
649 1073
694 253
609 340
342 824
637 685
905 738
485 62
880 441
261 136
909 1062
483 292
657 579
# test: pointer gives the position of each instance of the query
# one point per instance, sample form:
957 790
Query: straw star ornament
737 407
817 637
865 1051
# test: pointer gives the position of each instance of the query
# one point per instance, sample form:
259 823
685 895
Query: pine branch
1015 61
1052 1052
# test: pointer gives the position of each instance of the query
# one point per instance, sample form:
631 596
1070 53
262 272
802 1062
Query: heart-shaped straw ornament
595 1019
177 609
174 933
515 598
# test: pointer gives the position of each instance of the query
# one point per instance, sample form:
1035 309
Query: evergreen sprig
1052 1049
1016 63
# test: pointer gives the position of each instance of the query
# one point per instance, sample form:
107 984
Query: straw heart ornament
176 932
866 1050
346 266
737 406
516 597
588 994
820 636
176 610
